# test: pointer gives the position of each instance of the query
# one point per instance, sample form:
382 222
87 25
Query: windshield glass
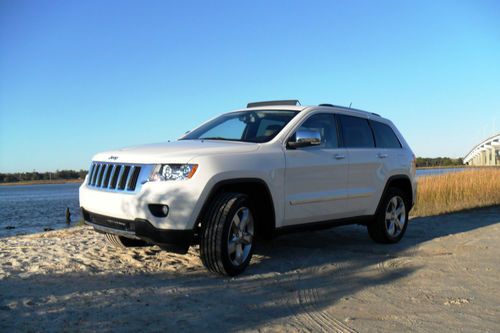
246 126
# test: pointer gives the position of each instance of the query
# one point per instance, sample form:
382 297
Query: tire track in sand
306 308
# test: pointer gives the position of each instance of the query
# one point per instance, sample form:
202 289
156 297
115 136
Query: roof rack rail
348 108
268 103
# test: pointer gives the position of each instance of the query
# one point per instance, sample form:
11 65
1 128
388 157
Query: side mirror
305 138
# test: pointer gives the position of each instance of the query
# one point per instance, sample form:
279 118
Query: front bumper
172 240
181 197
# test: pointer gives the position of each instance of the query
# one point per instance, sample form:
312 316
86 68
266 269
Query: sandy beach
442 277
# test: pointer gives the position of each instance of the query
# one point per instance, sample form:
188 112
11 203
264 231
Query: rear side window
385 136
356 132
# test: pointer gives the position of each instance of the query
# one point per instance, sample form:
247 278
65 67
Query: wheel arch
402 182
258 190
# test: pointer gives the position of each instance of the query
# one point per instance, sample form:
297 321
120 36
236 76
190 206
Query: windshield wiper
218 138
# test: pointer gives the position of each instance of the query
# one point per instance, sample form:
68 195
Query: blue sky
79 77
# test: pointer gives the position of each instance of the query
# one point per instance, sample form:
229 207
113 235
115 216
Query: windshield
246 126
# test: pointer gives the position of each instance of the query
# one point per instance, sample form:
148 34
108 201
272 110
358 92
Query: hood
181 151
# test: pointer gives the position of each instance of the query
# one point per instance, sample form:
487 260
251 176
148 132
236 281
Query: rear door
389 150
366 175
316 177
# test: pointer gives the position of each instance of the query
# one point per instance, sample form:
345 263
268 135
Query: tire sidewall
240 201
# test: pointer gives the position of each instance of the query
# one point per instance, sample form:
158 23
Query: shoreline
43 182
444 167
469 167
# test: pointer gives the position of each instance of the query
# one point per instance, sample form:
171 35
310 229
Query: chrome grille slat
114 181
105 179
91 173
116 177
97 173
111 176
94 172
99 176
101 183
123 179
120 175
134 178
129 177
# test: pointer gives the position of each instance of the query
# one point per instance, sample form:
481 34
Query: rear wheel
227 235
391 220
124 242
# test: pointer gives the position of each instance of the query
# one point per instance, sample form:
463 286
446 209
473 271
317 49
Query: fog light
158 210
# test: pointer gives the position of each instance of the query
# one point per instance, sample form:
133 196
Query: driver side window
324 123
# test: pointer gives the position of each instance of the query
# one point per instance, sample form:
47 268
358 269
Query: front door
316 177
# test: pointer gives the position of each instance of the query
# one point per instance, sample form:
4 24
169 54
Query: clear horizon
78 78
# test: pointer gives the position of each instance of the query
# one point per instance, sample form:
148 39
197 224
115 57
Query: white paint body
307 185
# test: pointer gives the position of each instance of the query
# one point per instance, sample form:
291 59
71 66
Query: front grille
111 176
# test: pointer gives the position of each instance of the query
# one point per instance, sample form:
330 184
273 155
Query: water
31 208
438 171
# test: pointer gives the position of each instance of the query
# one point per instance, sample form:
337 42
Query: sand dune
442 277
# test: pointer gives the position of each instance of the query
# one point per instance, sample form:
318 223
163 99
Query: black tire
218 226
124 242
380 228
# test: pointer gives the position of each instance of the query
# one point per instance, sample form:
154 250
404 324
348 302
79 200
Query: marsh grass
455 191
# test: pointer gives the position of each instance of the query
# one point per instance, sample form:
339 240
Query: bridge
485 153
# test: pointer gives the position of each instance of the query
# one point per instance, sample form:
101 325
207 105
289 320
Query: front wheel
391 219
227 235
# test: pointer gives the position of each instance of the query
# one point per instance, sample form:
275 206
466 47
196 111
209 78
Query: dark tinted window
356 132
385 136
324 123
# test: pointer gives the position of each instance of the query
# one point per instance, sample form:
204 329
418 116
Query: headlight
164 172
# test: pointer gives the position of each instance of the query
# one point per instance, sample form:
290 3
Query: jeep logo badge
114 158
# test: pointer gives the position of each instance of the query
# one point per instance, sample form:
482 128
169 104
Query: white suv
270 168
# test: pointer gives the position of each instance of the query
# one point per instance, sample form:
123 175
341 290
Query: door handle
339 156
380 155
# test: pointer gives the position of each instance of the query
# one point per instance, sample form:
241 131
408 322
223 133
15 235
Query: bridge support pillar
492 157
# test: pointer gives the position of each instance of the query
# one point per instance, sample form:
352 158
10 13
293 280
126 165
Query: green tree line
438 162
33 176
